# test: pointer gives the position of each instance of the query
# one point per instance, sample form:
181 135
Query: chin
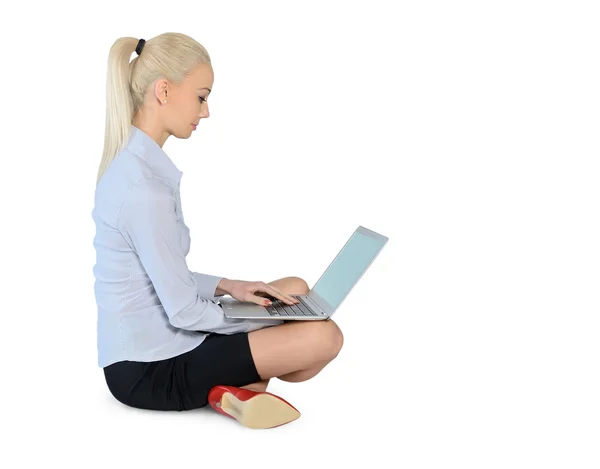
183 135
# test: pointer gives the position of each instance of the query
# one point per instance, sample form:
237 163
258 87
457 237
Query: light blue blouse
150 305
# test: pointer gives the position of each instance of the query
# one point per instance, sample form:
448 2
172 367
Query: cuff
207 285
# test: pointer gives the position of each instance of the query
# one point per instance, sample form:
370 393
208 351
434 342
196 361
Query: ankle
261 386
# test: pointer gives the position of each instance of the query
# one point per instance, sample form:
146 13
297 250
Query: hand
254 292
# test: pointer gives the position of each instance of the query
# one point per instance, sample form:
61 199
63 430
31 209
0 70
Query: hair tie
140 46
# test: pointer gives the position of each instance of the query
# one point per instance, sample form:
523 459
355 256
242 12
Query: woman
163 341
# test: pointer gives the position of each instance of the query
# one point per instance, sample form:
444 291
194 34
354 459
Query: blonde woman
163 341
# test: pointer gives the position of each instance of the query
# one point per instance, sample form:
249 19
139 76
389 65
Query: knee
331 340
299 285
337 338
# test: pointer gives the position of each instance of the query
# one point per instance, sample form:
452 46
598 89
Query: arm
222 288
149 222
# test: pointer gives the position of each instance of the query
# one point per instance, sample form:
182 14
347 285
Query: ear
161 90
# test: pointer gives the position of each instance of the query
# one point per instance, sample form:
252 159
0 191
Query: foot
251 408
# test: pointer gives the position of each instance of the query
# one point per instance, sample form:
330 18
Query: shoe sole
261 411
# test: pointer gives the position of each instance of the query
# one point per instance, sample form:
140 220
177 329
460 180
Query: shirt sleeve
149 221
207 285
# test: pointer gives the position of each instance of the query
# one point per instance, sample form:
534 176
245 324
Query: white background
465 131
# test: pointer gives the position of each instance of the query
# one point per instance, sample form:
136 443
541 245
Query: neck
151 128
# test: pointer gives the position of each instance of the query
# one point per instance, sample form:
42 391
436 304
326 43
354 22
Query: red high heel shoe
251 408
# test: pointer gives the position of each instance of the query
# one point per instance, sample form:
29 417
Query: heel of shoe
260 411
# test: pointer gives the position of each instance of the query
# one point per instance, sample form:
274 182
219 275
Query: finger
275 292
261 301
257 296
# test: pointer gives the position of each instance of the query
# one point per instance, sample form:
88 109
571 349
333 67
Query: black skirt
183 382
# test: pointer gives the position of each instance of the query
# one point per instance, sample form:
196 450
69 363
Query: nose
204 113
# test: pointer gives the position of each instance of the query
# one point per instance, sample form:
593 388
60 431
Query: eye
202 100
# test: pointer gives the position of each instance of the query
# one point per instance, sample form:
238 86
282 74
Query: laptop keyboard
280 309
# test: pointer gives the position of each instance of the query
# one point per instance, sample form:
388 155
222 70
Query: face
186 102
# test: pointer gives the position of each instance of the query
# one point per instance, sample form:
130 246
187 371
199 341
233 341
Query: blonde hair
171 56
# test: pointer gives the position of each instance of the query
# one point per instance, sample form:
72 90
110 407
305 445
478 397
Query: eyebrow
209 90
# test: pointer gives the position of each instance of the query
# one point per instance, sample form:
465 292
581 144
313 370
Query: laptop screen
348 266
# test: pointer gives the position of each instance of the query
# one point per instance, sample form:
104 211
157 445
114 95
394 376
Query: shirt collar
143 146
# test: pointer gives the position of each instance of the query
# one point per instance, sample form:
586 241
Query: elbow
178 324
193 317
183 321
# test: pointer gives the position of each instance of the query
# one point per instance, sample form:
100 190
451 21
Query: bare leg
295 351
292 286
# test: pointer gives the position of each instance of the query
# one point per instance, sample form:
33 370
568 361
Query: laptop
329 292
